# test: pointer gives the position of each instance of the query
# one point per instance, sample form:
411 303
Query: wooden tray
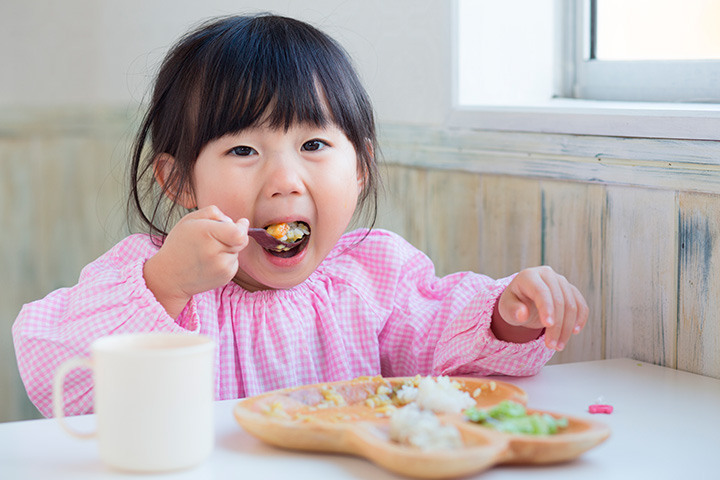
308 418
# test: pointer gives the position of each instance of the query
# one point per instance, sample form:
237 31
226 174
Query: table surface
665 425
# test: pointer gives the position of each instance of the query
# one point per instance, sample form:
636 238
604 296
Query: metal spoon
265 240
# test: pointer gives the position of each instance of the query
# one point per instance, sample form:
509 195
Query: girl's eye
243 151
314 145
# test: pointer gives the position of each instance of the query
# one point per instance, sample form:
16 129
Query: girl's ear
163 169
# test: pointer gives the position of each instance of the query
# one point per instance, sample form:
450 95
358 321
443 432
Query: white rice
422 429
441 396
407 394
417 425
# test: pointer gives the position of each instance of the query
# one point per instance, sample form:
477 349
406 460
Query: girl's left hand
540 298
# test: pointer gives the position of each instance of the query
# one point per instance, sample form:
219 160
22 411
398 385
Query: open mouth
292 238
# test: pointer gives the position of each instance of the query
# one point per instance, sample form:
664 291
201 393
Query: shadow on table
295 462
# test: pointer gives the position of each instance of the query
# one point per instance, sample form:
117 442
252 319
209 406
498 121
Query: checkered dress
374 306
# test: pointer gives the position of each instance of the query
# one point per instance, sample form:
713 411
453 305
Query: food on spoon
512 417
288 232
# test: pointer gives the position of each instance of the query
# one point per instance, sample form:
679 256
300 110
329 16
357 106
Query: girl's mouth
294 238
290 250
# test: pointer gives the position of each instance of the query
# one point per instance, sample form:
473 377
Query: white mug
153 398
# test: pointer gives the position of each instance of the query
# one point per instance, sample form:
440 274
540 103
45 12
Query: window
599 67
645 50
505 51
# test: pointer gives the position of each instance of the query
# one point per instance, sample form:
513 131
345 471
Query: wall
632 222
105 52
73 73
61 206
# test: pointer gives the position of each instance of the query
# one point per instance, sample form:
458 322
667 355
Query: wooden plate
340 417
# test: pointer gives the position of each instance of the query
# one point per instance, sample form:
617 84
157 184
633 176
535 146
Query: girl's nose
285 177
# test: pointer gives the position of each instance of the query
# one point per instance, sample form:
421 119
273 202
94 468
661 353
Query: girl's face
306 174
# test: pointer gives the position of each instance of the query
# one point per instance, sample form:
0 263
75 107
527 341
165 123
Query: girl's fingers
583 311
521 312
571 313
536 295
553 332
560 307
516 312
223 229
210 213
230 234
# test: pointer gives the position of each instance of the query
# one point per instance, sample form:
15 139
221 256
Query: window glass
656 29
538 52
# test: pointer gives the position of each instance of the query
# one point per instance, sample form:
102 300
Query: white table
666 425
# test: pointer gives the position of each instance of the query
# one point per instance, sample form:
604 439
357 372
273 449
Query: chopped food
415 408
598 408
331 398
416 424
512 417
380 399
422 429
440 395
288 232
485 387
276 410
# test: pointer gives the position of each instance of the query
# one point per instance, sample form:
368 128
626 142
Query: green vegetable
511 417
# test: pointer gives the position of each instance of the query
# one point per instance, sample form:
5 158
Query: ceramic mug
153 399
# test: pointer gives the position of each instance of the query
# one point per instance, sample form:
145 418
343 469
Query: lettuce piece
512 417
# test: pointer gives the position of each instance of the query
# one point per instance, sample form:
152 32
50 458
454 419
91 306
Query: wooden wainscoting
633 223
61 206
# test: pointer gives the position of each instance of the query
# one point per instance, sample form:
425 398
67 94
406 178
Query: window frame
566 115
685 81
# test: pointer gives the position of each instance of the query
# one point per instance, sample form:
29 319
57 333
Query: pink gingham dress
374 306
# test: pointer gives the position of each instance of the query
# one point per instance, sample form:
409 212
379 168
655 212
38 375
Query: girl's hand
199 254
540 298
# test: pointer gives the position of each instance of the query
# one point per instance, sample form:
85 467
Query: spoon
265 240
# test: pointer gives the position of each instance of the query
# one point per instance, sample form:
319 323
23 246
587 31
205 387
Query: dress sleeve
110 298
441 326
467 345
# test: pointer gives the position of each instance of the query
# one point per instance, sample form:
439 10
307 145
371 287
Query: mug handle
58 397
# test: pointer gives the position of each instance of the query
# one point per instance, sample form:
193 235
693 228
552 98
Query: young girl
261 121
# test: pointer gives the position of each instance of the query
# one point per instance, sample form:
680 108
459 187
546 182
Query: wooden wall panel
510 225
452 225
699 284
61 206
640 275
572 234
18 267
634 223
404 203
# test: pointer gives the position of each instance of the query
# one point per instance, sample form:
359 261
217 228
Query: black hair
231 73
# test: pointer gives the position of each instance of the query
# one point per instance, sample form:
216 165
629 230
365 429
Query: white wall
102 52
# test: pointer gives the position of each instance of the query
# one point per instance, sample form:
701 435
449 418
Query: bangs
238 72
246 87
273 74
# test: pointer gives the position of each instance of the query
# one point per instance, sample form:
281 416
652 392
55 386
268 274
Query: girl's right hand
199 254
